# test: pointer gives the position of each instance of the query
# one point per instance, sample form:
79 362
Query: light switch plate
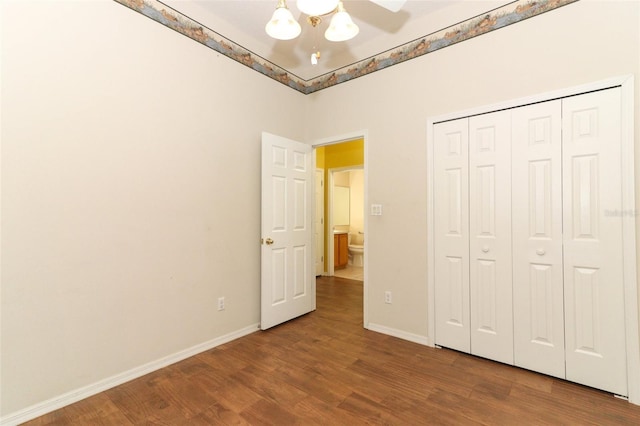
376 209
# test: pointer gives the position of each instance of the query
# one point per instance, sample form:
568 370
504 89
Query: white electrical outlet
387 297
221 303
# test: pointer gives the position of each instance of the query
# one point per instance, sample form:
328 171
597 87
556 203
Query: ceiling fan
283 25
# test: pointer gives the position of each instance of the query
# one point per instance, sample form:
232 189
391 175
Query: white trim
76 395
331 266
626 84
365 295
400 334
346 137
527 100
324 219
431 278
629 240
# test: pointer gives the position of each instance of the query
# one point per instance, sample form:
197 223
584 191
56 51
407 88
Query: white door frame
315 210
629 212
332 140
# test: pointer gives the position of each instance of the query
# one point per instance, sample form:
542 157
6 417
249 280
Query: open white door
287 265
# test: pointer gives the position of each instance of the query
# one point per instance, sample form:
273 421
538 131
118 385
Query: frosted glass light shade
341 27
317 7
282 25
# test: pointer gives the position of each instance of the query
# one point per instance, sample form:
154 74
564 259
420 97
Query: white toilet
356 250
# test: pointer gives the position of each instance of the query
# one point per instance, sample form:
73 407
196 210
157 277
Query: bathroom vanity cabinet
340 250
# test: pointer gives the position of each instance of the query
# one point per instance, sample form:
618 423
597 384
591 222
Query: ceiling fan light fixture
283 25
341 27
317 7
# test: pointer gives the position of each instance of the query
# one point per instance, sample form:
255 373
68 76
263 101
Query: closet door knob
485 249
540 252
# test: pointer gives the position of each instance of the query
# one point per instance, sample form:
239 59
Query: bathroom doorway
345 208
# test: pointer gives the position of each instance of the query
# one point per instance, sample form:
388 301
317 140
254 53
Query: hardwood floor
324 368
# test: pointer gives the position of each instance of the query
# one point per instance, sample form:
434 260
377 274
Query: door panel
537 238
594 293
451 207
287 265
486 309
490 236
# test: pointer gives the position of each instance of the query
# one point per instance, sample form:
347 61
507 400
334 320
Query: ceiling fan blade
392 5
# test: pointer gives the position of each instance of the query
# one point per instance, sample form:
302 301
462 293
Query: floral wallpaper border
512 13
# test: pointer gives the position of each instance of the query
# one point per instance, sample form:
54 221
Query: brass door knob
269 241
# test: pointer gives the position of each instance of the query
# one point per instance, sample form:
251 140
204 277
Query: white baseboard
415 338
68 398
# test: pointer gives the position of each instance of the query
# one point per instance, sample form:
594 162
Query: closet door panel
594 293
537 238
451 219
490 236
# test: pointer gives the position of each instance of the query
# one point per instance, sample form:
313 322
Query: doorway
340 154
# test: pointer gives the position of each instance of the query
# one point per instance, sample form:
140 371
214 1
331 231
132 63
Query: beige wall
579 43
130 192
341 179
120 138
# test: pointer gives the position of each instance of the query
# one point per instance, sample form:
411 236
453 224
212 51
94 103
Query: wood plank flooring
324 368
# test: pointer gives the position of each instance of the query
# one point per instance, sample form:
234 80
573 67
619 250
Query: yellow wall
343 154
320 156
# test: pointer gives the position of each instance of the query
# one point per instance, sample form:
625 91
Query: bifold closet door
451 220
593 286
490 236
538 310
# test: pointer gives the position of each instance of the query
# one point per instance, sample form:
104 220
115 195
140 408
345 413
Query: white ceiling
243 22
